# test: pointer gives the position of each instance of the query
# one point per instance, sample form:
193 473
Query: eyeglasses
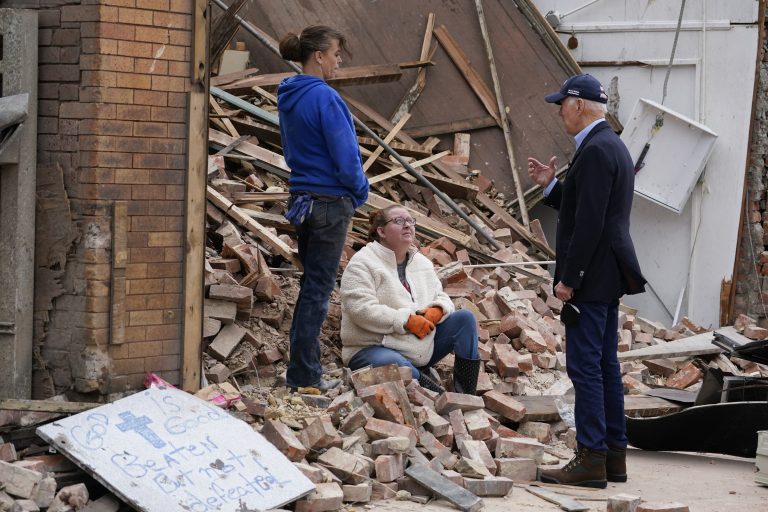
402 221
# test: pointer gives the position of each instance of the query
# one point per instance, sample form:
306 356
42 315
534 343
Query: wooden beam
197 168
247 148
503 111
427 51
469 73
542 408
260 231
46 406
402 149
354 75
464 125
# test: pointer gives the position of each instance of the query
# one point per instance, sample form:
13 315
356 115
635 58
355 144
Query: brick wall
751 276
112 130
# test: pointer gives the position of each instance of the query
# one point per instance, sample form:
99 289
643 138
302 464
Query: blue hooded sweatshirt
319 141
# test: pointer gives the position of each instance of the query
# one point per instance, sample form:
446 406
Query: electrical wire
674 48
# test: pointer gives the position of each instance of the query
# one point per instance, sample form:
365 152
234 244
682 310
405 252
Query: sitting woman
394 309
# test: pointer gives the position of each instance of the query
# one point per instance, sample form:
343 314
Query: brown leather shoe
585 469
616 464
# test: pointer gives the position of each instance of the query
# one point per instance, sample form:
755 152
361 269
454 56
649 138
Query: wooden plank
564 502
504 119
218 81
260 197
353 75
198 453
46 406
542 408
412 94
698 345
194 235
463 125
399 170
260 231
250 149
391 135
414 150
469 73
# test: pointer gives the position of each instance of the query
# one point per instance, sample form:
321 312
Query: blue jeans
321 241
457 334
593 367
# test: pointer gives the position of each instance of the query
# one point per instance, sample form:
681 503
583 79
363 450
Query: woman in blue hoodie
327 183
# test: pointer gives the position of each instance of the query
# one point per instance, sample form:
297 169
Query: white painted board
163 450
678 150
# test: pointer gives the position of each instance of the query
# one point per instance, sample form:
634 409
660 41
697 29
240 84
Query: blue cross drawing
139 425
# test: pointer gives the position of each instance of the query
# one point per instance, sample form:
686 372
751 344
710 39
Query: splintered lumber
542 408
244 105
354 75
697 345
427 51
444 488
503 111
259 197
232 77
260 231
45 406
391 135
414 150
455 189
564 502
469 73
464 125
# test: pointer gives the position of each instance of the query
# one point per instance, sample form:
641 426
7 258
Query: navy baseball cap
579 86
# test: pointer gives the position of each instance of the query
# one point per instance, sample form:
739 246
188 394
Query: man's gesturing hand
542 174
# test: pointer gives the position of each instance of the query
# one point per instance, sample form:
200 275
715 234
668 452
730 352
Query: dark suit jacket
595 254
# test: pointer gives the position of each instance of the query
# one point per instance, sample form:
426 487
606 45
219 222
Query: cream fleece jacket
375 305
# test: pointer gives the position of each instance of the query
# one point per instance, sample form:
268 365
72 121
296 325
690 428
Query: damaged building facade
120 127
112 88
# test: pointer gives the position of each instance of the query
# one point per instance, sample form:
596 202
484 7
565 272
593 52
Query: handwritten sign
163 449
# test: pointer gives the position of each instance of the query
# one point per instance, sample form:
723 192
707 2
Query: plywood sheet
163 449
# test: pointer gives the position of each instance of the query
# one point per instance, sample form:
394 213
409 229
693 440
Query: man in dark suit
596 265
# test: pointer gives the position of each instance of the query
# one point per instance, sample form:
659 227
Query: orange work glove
419 325
433 314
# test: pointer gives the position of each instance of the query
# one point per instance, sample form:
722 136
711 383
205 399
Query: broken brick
504 405
280 435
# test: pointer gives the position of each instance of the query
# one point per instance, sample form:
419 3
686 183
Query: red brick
148 192
134 49
152 98
181 6
326 496
149 161
684 377
172 20
168 83
134 16
181 37
389 467
448 402
152 35
168 114
504 405
108 30
133 81
105 127
319 433
151 66
381 429
384 405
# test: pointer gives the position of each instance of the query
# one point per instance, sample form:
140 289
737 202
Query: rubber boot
585 469
427 382
616 464
465 372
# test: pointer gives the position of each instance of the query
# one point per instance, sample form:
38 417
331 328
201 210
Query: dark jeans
457 334
593 367
321 241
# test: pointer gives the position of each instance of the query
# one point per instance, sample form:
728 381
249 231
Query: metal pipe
266 41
